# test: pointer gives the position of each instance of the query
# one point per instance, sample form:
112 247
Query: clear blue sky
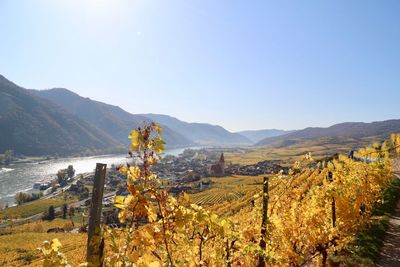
239 64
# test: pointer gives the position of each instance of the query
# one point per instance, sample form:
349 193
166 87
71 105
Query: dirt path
390 252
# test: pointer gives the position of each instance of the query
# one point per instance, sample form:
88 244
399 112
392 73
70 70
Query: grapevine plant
162 229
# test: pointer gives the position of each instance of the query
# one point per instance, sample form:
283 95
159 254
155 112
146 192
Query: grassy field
289 153
34 207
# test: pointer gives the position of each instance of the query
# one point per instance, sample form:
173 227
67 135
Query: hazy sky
239 64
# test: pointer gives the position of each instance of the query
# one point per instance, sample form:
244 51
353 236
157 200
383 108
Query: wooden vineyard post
95 242
330 179
333 212
263 240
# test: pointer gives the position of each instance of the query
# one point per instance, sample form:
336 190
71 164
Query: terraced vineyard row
217 196
226 190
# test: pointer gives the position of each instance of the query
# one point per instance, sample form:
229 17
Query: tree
62 177
51 215
70 171
71 214
65 210
22 197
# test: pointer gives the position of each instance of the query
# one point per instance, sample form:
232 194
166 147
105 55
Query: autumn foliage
313 212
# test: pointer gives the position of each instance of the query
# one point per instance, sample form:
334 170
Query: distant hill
118 123
111 119
201 133
39 122
34 126
257 135
377 130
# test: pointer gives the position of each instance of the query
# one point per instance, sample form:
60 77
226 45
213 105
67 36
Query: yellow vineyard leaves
315 209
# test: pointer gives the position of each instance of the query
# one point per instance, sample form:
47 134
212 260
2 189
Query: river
21 176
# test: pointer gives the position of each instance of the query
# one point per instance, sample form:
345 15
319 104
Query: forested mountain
34 126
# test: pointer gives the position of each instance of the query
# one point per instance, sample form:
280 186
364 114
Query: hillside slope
111 119
378 130
34 126
257 135
201 133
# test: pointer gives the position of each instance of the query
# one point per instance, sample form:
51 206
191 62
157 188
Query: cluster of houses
182 171
78 187
179 174
190 168
41 185
185 168
262 167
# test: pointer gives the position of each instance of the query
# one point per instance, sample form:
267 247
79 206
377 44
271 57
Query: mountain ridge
377 129
111 119
34 126
200 133
117 122
61 121
257 135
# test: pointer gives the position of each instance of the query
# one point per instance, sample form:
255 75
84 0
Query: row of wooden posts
95 242
264 222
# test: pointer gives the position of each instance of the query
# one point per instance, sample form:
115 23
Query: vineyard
309 216
216 196
18 245
291 152
227 189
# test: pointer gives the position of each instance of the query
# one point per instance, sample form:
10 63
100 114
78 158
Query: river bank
20 177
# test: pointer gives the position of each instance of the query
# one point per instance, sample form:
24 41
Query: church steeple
218 169
222 158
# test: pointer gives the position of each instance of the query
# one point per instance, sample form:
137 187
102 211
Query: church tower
217 169
222 164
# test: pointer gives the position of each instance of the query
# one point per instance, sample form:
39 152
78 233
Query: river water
21 176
